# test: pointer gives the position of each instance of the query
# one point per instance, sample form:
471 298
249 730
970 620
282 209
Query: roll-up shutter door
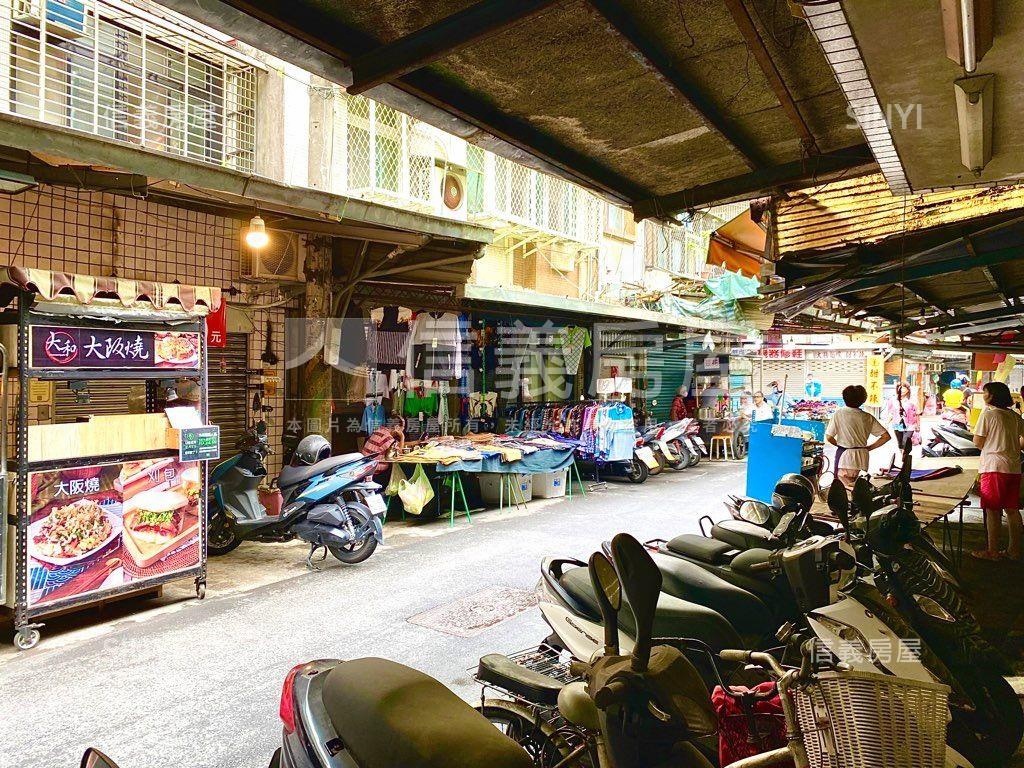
834 375
228 390
107 397
668 369
788 372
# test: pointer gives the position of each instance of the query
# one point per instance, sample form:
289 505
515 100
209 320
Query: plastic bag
395 481
417 492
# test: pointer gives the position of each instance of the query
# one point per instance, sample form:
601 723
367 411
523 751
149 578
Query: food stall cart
105 505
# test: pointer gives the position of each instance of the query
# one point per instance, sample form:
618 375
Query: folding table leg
462 495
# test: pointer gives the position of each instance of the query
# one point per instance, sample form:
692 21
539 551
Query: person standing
901 415
999 434
855 433
778 399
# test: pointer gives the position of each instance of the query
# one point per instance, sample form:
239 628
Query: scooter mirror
839 503
641 583
93 758
609 597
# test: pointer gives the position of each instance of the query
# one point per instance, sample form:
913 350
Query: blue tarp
543 460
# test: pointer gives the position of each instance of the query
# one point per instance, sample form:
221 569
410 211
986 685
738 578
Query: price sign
200 443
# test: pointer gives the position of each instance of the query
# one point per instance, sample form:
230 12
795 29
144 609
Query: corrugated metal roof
863 210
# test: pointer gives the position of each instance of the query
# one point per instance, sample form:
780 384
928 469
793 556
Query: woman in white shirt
999 434
851 430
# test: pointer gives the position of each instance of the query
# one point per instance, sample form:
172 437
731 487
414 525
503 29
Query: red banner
217 327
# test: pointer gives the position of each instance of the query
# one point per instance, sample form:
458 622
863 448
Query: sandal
984 554
1007 555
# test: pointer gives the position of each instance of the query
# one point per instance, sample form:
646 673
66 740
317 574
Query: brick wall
93 233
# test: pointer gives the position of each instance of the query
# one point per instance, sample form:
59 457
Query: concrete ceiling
903 49
660 104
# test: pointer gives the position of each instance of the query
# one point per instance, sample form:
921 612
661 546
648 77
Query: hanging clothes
388 336
435 346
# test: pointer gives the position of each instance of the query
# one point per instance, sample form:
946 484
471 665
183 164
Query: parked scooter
950 438
667 458
690 437
329 502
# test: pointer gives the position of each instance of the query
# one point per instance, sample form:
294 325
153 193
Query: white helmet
312 449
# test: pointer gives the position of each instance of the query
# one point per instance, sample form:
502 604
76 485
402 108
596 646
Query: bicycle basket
867 720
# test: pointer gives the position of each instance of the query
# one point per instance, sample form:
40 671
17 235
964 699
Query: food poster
98 528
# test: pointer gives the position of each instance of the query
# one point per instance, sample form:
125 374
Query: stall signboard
781 353
874 380
200 443
99 529
69 347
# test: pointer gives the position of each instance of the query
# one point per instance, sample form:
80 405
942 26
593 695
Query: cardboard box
491 488
550 485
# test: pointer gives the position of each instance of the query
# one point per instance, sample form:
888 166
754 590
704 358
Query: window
128 78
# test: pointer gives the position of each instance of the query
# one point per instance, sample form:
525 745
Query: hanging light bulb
256 237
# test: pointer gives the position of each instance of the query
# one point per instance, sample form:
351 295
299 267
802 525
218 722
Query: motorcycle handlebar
764 660
613 693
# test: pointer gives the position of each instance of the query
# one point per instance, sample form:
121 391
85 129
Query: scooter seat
689 581
673 618
293 475
533 686
710 551
388 715
743 535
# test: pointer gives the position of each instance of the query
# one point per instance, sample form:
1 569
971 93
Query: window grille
107 69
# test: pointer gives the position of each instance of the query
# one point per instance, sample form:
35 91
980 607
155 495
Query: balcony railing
112 70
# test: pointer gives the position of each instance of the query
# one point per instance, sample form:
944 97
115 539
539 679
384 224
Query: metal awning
658 105
964 278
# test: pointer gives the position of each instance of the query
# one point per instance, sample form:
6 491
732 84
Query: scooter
332 505
951 439
691 438
651 439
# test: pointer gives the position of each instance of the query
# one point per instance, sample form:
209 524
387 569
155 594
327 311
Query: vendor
778 399
851 430
758 408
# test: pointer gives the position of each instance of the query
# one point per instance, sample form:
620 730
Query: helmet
756 512
311 449
793 493
956 384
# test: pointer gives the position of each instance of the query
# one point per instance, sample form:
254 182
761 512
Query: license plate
646 455
376 504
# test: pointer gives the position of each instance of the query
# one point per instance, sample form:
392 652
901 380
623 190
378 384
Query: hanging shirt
572 340
389 335
373 418
438 337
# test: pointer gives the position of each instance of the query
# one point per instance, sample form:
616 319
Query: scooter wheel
638 472
987 732
356 551
221 537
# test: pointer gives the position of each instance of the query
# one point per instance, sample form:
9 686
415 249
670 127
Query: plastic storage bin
491 488
550 485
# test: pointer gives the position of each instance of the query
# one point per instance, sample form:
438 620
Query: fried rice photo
175 348
72 530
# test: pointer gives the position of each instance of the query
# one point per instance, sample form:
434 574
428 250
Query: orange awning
738 245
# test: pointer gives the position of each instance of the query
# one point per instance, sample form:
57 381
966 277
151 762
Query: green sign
200 443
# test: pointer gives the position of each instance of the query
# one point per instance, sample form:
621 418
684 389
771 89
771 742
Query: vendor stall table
934 500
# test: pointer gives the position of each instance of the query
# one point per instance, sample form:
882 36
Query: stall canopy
738 245
130 294
664 106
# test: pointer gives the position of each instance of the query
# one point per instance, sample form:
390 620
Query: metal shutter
107 397
228 389
767 371
668 369
834 375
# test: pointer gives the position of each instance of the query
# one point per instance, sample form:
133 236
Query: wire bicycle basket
854 719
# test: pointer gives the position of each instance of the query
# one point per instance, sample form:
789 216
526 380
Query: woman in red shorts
1000 436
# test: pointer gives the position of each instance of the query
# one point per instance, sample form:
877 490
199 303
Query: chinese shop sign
122 348
874 380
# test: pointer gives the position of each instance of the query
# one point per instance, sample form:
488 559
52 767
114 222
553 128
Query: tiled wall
95 233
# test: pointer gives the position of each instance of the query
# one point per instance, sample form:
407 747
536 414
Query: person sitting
851 430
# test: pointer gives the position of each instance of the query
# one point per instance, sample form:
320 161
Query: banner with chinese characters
781 353
874 380
97 529
122 348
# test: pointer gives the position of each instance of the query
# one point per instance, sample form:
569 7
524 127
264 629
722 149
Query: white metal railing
109 69
523 196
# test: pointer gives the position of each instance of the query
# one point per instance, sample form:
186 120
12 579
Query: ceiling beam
824 167
924 297
317 26
666 70
964 318
755 44
931 269
987 271
435 41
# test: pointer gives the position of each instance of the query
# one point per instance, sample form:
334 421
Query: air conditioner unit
280 260
63 17
448 192
560 257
